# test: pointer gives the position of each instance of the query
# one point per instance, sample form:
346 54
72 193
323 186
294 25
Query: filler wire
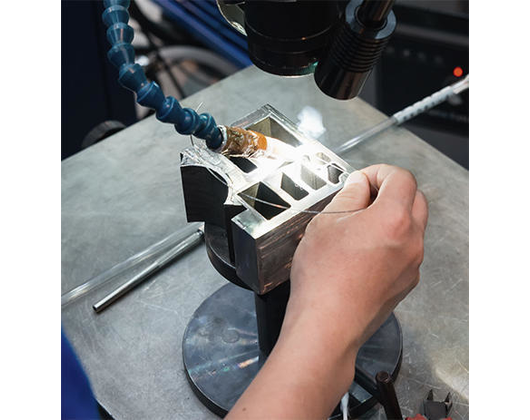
407 113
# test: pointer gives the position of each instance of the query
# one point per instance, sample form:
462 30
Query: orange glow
457 71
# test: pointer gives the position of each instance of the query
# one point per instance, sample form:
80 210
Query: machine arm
149 94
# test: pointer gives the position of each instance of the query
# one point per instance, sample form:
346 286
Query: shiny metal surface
221 354
220 347
263 206
123 194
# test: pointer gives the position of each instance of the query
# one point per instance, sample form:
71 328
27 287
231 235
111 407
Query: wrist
324 331
323 318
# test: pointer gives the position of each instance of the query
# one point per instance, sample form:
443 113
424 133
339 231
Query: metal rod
406 114
182 247
387 396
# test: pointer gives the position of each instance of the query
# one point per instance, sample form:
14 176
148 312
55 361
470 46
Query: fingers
393 185
355 195
396 186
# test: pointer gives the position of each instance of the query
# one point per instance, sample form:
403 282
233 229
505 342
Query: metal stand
234 330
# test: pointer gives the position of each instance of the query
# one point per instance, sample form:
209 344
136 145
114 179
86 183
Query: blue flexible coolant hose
149 94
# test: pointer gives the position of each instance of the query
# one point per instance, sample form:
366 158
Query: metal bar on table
182 247
124 266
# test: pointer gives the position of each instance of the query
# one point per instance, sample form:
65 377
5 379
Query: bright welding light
310 122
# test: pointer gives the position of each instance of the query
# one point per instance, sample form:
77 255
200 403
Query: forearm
306 374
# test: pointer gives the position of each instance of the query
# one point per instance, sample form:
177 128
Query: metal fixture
255 212
263 237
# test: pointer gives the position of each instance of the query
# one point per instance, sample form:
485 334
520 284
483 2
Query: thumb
355 195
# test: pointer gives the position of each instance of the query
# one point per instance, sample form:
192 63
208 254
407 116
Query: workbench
124 194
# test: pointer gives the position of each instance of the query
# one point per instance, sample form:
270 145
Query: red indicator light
457 71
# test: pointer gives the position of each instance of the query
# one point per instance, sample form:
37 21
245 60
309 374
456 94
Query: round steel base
221 353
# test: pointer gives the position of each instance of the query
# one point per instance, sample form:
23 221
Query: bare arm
349 272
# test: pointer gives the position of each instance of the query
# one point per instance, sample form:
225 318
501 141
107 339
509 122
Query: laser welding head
339 41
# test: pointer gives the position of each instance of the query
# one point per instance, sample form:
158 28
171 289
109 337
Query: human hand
349 272
352 269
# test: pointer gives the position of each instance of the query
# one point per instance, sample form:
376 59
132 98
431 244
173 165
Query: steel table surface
123 194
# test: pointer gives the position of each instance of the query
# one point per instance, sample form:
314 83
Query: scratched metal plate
221 352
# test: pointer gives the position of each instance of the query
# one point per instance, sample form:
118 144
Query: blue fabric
77 399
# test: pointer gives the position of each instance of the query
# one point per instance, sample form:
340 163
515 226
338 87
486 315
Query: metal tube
185 245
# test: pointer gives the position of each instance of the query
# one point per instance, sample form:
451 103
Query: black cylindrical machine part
373 13
287 37
366 28
270 311
270 307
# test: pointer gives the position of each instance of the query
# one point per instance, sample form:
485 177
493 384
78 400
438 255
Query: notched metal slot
311 178
268 203
243 163
292 188
323 158
334 173
271 128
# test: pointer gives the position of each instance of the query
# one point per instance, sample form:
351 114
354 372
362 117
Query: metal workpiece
263 203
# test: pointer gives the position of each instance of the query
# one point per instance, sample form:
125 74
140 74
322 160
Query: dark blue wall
90 92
